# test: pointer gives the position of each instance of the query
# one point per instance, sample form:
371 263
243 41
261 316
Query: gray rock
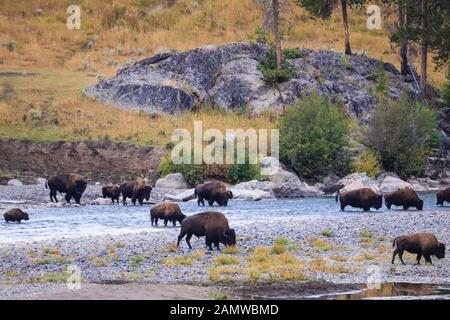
172 181
356 181
390 184
15 183
227 76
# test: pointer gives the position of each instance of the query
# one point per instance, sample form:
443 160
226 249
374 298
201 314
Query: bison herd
214 225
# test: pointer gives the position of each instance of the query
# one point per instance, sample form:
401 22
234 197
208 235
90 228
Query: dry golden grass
44 42
51 107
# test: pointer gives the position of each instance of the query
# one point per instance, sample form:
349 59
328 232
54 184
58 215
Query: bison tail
46 184
393 243
337 196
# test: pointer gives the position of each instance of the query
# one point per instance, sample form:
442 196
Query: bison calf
405 198
136 190
112 192
213 192
212 225
167 211
422 244
364 198
443 195
16 215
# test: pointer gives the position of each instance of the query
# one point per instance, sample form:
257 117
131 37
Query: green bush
368 162
313 134
446 89
402 134
197 173
268 67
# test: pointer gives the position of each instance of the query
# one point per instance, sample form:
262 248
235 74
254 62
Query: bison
364 198
423 244
405 197
213 225
112 192
71 184
167 211
213 192
136 190
16 215
443 195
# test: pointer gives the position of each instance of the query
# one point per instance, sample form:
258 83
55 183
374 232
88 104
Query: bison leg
366 209
165 222
210 202
208 242
428 259
419 256
200 201
180 237
342 206
53 195
405 207
124 200
174 222
188 239
393 255
68 197
216 244
400 255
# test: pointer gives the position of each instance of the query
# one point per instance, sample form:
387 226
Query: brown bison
443 195
213 192
136 190
213 225
16 215
112 192
364 198
71 184
167 211
423 244
405 197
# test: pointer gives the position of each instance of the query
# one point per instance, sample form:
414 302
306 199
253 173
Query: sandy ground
127 291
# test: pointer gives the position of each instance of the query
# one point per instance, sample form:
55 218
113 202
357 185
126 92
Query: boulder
269 166
41 181
183 196
15 183
356 181
251 195
391 184
172 181
101 202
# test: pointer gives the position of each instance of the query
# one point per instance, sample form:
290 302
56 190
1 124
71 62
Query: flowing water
69 222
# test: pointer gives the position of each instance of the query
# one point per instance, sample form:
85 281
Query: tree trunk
424 50
276 33
348 49
403 42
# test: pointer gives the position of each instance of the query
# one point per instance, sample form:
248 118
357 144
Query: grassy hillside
48 106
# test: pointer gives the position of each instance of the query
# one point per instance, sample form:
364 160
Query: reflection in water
398 290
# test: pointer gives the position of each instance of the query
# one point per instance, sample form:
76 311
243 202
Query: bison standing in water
442 196
167 211
404 197
212 225
423 244
16 215
213 192
71 184
136 190
112 192
364 198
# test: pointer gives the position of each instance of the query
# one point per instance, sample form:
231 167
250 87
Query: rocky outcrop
172 181
227 76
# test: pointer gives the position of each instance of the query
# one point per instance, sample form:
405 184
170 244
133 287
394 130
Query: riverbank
294 241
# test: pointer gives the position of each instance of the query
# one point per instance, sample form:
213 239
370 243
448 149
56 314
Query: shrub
402 134
367 162
313 135
446 89
268 67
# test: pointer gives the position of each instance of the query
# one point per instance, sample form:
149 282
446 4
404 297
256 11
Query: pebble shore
363 239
